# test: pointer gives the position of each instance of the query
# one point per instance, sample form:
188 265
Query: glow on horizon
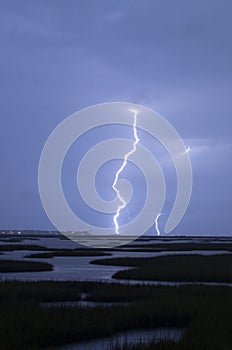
123 202
156 224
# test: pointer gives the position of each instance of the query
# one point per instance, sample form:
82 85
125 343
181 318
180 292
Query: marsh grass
205 312
40 291
190 246
23 266
11 239
30 326
12 247
185 268
157 345
67 253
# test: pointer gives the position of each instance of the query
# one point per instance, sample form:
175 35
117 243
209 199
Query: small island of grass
64 253
181 268
24 266
12 247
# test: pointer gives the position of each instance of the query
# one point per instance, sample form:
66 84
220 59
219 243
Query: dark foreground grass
40 291
23 266
184 268
206 313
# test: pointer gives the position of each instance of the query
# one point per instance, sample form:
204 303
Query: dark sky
174 57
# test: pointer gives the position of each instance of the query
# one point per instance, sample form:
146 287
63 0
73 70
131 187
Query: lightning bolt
123 202
156 224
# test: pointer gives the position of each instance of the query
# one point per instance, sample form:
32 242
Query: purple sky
59 56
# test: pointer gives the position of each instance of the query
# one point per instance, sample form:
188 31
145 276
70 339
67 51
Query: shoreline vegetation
37 247
185 246
204 312
13 247
64 253
136 247
174 268
23 266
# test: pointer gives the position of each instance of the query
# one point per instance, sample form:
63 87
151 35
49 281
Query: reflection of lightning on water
123 203
156 224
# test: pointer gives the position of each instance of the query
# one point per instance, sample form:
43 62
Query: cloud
173 57
115 16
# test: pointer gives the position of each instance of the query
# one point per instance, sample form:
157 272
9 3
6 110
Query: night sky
174 57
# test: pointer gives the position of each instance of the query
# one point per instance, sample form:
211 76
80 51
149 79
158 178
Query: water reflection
130 338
